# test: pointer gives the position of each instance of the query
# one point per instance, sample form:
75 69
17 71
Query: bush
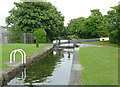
74 37
114 37
16 37
40 35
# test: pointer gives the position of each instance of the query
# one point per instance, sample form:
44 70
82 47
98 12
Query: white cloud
81 8
69 8
5 7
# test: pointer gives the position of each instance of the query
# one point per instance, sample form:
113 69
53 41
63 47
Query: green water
53 69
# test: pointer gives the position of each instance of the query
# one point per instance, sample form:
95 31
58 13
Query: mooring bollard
59 38
37 45
68 39
54 43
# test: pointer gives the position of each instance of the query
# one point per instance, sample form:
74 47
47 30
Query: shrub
16 37
74 37
40 35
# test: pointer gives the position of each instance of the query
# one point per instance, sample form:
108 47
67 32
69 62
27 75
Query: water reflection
50 70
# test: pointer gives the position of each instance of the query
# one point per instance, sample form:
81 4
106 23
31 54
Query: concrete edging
75 77
10 73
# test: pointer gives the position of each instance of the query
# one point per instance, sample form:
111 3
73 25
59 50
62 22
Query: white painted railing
56 41
104 39
21 52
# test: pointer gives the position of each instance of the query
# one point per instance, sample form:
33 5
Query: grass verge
104 43
101 65
30 49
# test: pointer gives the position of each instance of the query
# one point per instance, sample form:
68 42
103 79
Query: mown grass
104 43
100 65
30 49
81 39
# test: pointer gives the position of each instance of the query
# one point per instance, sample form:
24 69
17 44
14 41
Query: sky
69 8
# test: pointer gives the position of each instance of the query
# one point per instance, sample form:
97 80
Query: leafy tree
93 25
64 33
111 24
97 25
29 16
96 12
114 32
87 27
76 26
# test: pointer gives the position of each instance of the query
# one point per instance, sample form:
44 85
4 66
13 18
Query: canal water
53 69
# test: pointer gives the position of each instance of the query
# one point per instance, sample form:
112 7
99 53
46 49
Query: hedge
40 35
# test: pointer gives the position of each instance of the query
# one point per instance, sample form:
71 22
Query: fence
27 38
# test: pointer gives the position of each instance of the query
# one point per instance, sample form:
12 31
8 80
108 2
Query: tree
29 16
114 32
111 24
88 27
93 25
96 12
96 25
76 26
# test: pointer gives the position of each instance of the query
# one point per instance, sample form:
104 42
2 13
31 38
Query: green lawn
100 65
30 49
104 43
81 39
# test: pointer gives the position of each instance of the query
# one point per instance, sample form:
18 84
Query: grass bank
30 49
100 65
104 43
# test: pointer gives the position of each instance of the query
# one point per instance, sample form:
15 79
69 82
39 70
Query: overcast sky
69 8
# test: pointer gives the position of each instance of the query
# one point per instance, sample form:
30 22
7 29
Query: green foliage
40 35
73 37
114 36
64 32
87 27
114 24
97 25
33 0
29 16
16 37
76 26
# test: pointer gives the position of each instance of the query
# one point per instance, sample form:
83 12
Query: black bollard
54 38
68 39
37 45
59 38
54 45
